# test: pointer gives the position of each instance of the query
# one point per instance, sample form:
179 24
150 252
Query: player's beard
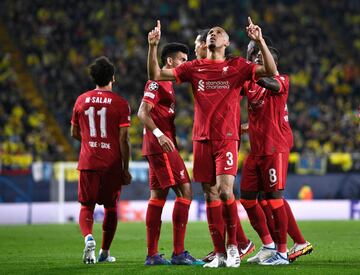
212 47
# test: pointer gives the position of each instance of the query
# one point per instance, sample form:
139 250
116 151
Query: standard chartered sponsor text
211 85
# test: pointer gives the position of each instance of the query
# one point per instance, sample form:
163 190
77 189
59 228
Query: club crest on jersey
225 70
182 174
153 86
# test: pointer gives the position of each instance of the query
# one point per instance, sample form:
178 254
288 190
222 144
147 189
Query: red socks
109 227
231 219
86 219
293 228
257 219
281 223
180 219
153 224
269 218
241 238
216 225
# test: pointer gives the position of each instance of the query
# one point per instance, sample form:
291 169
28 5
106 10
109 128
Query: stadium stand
318 44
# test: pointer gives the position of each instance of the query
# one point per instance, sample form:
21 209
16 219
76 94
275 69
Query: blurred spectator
318 42
23 135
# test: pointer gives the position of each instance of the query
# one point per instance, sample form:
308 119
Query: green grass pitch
57 249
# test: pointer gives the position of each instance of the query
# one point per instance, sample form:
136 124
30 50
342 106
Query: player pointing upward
166 168
216 83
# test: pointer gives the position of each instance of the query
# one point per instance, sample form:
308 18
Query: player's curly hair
170 49
102 71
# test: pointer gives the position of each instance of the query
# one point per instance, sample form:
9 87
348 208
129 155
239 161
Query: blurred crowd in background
319 45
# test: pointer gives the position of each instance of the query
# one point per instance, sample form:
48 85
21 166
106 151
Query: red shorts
166 170
264 173
101 187
213 158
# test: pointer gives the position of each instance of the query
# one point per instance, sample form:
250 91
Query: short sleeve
245 88
151 92
246 69
75 114
125 115
182 72
284 83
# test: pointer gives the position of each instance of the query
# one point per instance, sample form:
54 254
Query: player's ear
203 45
169 61
113 78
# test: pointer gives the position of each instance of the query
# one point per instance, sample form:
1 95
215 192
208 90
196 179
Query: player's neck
104 88
216 55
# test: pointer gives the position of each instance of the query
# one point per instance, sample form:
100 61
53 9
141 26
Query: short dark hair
170 49
102 71
203 34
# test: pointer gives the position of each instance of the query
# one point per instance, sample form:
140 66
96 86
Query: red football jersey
161 96
99 114
269 128
216 88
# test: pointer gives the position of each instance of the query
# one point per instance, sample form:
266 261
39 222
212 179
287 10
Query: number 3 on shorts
272 175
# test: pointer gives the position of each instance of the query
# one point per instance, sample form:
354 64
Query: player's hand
166 143
154 35
254 31
127 177
244 128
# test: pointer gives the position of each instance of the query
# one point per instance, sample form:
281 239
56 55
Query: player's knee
248 203
249 195
188 195
226 194
278 194
211 196
88 205
110 208
184 191
159 194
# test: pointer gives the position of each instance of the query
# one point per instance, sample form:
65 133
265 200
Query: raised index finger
250 21
158 25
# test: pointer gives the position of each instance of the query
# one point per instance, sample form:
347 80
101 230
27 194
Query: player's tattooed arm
269 83
153 68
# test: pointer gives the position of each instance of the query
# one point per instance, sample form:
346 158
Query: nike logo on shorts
271 185
227 168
